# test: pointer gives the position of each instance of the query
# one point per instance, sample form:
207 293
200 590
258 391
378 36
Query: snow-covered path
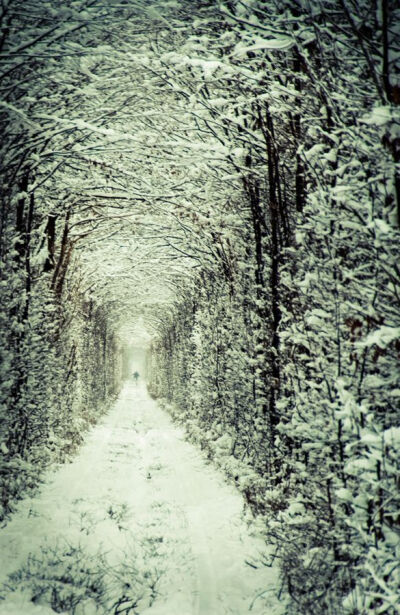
137 492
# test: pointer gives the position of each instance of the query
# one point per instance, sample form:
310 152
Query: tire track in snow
218 538
192 500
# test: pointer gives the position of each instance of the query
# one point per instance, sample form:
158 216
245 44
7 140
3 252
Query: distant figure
136 376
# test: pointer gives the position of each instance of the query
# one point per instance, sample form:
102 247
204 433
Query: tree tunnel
216 183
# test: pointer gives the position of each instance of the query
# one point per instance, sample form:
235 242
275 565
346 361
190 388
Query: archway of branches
112 165
217 182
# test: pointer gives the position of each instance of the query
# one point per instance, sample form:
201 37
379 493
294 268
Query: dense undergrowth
282 360
224 175
62 369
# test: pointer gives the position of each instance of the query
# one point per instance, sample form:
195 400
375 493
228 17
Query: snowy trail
138 487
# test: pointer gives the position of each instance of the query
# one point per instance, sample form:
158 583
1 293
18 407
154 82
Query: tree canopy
218 181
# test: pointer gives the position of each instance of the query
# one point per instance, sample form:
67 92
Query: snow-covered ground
140 505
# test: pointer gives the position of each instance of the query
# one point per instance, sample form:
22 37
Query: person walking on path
136 376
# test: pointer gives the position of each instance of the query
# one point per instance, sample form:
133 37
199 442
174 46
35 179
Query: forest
220 180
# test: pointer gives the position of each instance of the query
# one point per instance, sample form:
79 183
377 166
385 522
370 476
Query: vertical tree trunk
275 215
51 241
